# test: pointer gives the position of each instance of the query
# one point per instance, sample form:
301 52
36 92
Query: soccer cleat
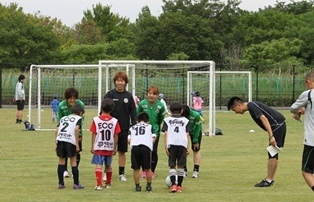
264 183
108 186
138 189
78 186
98 188
122 178
61 186
149 189
179 189
173 189
195 174
104 178
66 174
143 174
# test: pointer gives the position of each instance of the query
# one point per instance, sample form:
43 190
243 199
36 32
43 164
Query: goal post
167 71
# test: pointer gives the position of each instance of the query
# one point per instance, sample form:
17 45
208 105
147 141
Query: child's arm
93 142
189 143
77 130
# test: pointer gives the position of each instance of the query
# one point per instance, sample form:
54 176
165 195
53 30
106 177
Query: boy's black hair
21 77
143 116
77 109
107 105
176 108
232 101
186 111
197 94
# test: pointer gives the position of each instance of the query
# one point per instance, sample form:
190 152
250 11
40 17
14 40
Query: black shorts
20 104
123 141
280 135
177 156
141 156
308 159
65 149
199 142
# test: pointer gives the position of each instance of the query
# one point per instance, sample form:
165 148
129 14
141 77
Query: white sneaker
66 174
122 178
195 174
104 178
98 188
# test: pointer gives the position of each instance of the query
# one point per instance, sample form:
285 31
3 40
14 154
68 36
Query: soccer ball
168 181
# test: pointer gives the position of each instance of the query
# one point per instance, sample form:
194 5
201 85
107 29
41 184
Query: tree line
274 37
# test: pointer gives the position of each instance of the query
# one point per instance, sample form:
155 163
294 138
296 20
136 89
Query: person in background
125 112
71 96
54 105
163 101
141 138
271 121
67 144
136 100
198 102
156 111
103 147
19 98
304 106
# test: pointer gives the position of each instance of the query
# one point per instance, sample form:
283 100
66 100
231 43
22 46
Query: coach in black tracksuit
125 112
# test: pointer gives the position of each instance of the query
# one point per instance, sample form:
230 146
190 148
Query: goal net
169 77
226 85
95 80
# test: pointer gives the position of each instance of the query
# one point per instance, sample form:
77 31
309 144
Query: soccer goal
45 81
169 77
226 84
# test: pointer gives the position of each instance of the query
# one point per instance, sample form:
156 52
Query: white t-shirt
141 134
176 127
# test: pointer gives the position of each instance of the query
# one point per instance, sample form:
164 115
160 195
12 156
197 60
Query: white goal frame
212 93
211 83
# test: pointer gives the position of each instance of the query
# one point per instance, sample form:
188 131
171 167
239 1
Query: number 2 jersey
176 127
105 127
141 134
66 128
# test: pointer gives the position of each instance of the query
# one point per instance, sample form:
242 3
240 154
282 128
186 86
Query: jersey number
105 134
140 130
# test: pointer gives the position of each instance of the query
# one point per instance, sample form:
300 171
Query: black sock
121 170
137 185
75 173
313 188
149 184
60 171
196 168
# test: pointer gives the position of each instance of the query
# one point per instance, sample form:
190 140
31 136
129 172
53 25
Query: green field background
231 164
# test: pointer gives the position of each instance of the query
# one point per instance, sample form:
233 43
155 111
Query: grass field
231 165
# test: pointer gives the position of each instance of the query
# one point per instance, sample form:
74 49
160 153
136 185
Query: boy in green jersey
156 111
196 136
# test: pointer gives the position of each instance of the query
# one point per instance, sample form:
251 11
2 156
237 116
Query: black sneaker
264 183
138 189
149 189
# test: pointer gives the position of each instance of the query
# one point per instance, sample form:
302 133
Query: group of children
143 137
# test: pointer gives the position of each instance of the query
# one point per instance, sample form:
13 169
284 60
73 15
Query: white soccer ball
168 181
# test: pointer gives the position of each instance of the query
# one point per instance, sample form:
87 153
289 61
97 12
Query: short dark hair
107 105
143 116
176 107
232 101
77 109
186 111
71 92
21 77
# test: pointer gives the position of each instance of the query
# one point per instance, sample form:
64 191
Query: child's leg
98 174
75 170
136 176
60 170
180 175
108 174
172 174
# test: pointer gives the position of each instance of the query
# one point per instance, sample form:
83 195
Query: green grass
231 165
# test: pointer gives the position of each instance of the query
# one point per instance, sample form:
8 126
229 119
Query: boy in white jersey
141 140
105 130
67 140
177 141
